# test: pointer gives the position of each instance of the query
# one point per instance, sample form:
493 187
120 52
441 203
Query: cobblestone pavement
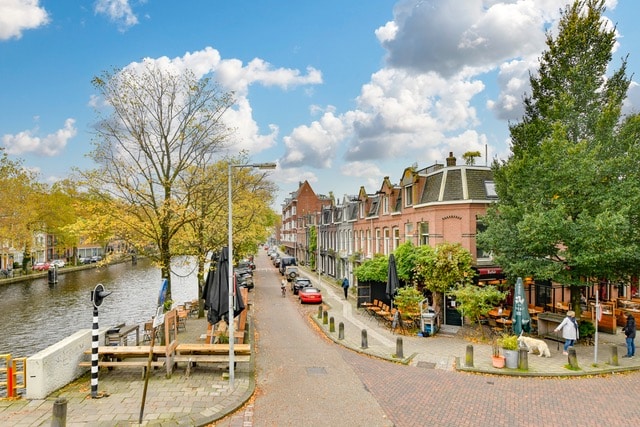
428 385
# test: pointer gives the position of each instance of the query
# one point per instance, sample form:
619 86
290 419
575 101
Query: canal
35 314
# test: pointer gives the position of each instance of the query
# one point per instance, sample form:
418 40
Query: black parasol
393 283
216 290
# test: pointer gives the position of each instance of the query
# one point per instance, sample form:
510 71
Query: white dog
535 344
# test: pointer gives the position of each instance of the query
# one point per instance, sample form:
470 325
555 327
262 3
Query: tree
444 268
475 301
252 216
373 270
406 255
470 157
19 210
161 127
567 206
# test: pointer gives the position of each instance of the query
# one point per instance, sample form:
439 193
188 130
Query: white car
58 263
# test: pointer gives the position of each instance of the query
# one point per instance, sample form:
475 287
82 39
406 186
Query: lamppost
318 244
231 275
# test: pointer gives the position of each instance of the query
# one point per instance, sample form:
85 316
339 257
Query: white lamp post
231 275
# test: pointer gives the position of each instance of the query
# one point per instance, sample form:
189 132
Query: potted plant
509 345
496 358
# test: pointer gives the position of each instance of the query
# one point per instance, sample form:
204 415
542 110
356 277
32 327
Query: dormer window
385 204
408 195
490 189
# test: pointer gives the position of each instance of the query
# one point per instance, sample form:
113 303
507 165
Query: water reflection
34 314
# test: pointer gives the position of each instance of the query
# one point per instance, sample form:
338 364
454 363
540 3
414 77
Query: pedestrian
630 332
345 287
570 332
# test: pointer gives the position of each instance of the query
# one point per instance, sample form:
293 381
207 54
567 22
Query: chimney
451 160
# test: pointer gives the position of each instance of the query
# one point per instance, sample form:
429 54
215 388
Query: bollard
468 360
614 356
340 331
325 317
332 324
59 418
523 363
573 358
399 351
365 343
319 312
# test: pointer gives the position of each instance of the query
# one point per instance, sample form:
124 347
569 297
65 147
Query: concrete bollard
332 324
365 342
523 363
573 358
59 418
613 360
399 350
325 317
340 331
468 359
320 312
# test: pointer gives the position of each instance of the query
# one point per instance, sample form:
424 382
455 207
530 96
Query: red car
310 295
41 266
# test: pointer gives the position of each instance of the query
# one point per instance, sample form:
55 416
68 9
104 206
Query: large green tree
161 127
568 194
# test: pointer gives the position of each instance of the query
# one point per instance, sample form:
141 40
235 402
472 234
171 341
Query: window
385 204
408 232
481 253
408 195
424 233
490 188
396 238
387 241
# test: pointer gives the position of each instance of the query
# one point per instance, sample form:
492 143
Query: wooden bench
210 353
138 355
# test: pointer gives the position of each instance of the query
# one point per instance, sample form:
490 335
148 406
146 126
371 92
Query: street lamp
231 275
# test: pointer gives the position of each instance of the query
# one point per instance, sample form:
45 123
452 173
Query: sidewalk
197 400
204 396
447 349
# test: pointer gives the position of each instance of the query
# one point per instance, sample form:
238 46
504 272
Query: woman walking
570 332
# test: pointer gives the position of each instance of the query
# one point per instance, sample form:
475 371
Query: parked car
300 283
310 295
244 280
243 270
286 261
41 266
247 263
276 261
58 263
291 272
96 258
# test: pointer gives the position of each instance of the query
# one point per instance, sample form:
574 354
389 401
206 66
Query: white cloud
48 146
233 75
17 16
367 171
451 36
118 11
315 145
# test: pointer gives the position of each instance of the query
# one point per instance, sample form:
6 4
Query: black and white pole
97 295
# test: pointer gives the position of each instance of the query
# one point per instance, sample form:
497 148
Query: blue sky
341 93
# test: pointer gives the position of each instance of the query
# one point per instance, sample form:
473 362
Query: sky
341 93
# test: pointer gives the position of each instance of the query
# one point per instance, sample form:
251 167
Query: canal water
35 314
